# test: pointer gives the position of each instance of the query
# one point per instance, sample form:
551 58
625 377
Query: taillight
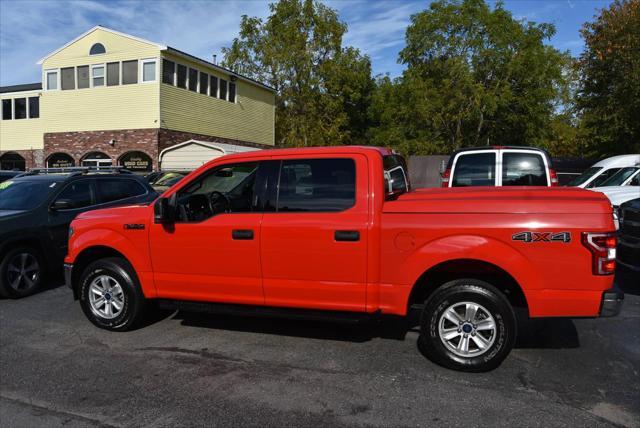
445 178
603 251
553 176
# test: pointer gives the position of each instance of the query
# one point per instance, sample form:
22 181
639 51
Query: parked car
153 176
6 175
603 170
628 251
36 210
499 166
168 179
337 233
622 186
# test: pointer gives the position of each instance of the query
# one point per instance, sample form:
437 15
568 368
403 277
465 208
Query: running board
269 311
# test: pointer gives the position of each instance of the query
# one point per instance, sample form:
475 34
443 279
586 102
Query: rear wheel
110 295
21 272
467 325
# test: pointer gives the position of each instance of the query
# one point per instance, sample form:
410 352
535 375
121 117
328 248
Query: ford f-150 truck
338 233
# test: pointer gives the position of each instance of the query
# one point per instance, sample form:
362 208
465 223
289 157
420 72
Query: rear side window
78 193
475 169
523 169
113 189
317 185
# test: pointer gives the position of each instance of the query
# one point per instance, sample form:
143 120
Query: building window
204 83
149 70
97 74
168 71
223 89
97 159
193 80
214 86
97 49
6 110
232 92
67 78
136 161
113 74
129 72
52 80
12 162
83 76
20 108
34 107
60 160
182 76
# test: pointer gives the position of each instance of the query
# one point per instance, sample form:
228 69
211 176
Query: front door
211 253
314 245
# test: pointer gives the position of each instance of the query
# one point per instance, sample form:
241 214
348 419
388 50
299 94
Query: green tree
474 76
609 96
323 89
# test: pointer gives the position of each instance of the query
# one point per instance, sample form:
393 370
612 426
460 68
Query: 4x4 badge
542 237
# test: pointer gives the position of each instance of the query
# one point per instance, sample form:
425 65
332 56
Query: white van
603 170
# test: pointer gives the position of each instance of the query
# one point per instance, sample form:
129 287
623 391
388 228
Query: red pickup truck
338 233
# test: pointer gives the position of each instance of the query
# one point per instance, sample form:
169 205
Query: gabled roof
21 88
222 147
109 30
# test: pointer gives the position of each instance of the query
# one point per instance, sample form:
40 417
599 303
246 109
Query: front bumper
611 302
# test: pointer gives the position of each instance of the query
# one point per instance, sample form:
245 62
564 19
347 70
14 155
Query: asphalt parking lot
193 369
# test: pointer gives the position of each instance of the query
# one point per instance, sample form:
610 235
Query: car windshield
169 179
24 195
582 178
620 177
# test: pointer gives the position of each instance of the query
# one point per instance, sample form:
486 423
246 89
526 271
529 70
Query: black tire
22 272
118 273
486 347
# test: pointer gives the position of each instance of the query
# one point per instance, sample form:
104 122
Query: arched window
60 160
136 161
96 159
97 48
12 161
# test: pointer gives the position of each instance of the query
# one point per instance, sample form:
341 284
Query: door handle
347 235
242 234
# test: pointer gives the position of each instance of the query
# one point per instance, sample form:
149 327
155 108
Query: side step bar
269 311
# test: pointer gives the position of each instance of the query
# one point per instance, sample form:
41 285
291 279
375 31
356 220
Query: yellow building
112 98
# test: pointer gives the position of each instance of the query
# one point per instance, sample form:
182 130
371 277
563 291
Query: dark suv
36 210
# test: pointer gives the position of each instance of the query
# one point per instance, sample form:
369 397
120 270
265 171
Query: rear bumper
611 303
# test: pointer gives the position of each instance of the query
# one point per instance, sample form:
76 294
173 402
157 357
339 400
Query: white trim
141 64
8 95
109 30
223 147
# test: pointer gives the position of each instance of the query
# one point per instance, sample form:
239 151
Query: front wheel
110 295
467 325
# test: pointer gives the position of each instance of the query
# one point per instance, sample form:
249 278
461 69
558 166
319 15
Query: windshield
582 178
168 179
620 177
24 195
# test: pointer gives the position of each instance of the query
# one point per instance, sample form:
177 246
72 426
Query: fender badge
134 226
542 237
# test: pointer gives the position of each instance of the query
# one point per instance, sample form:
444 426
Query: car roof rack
78 170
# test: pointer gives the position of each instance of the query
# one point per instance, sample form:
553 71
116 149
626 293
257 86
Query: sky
31 29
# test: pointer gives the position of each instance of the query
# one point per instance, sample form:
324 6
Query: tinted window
182 77
34 107
317 185
523 169
24 195
223 89
606 174
204 83
635 181
129 72
113 74
232 92
475 169
168 68
20 106
620 177
68 82
6 109
78 194
228 188
83 76
584 176
113 189
214 86
193 80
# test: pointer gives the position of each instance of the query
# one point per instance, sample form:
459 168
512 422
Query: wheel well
31 242
86 257
467 268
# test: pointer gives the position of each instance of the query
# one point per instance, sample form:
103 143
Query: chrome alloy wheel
23 271
106 297
467 329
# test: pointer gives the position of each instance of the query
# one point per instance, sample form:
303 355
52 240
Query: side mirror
62 204
164 210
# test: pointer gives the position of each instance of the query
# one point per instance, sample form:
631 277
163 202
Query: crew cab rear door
314 238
